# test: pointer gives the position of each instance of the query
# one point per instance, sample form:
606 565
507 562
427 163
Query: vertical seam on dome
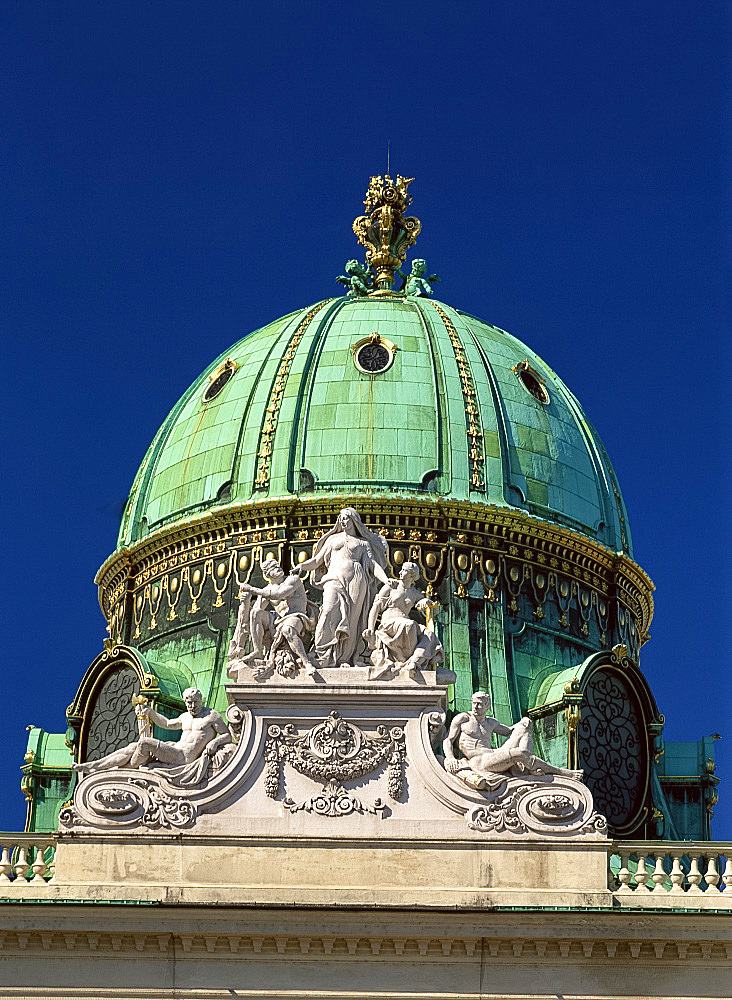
156 447
307 378
441 423
132 498
473 425
141 481
622 511
274 401
236 463
504 434
601 472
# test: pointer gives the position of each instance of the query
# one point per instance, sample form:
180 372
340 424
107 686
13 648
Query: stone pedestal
336 792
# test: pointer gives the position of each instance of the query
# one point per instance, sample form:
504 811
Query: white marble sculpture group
364 615
346 693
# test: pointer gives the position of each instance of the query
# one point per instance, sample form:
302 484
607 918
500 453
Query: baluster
694 877
52 864
711 875
677 875
39 864
5 865
727 876
659 875
624 875
20 867
642 875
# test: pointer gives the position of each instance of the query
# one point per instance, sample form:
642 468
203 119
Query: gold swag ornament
385 231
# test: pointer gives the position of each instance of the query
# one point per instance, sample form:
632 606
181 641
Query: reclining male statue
204 732
482 765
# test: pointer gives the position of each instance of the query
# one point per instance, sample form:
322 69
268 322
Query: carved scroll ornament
552 807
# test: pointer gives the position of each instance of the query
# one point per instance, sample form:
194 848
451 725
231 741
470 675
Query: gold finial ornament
144 725
385 232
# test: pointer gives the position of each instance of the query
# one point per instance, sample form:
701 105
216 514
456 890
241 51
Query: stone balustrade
689 874
668 874
26 859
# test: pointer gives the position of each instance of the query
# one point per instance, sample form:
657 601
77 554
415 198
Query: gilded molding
274 402
476 452
489 543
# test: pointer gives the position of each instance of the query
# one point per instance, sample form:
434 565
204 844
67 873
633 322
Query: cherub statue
276 634
400 186
415 283
357 278
482 764
401 645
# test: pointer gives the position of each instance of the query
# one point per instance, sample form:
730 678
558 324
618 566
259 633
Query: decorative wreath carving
335 751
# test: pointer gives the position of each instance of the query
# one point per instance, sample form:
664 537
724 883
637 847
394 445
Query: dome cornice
483 545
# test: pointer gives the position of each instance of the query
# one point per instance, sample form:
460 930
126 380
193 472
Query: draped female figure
348 564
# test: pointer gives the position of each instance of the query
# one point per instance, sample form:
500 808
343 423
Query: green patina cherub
416 282
357 278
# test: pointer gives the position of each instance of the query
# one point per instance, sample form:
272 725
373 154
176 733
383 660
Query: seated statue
277 634
203 733
401 645
482 764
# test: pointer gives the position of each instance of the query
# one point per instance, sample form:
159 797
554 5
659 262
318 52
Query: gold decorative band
266 437
507 552
476 453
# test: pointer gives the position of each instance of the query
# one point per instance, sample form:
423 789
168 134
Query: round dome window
216 382
532 381
373 355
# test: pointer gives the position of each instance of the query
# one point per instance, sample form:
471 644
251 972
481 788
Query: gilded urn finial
385 232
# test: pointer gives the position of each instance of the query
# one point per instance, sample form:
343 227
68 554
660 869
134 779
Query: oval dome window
532 381
373 354
216 382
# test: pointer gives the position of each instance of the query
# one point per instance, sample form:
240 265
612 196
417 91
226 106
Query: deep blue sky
174 175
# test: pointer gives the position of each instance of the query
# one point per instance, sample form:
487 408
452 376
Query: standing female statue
348 564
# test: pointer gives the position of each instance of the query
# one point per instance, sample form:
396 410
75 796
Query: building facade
463 455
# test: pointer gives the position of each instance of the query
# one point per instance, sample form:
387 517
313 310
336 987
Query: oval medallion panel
612 747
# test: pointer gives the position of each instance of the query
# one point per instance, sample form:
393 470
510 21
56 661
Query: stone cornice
319 934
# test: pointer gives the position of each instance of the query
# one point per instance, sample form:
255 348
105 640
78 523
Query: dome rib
504 436
474 419
298 432
455 466
236 469
441 479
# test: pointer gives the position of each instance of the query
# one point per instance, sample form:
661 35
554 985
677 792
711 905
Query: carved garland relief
334 752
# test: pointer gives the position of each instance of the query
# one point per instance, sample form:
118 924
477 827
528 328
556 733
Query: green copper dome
379 394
